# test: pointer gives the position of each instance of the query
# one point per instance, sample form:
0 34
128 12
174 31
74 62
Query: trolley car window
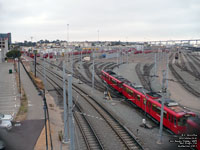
182 121
129 91
120 85
165 114
114 82
175 121
138 97
158 110
169 117
149 104
144 101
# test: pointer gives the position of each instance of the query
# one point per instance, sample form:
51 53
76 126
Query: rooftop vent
170 102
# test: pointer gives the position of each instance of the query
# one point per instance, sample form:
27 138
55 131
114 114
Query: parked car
2 145
6 124
6 117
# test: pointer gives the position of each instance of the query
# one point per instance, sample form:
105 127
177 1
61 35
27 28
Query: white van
6 117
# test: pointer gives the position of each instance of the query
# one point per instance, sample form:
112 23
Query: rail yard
107 118
122 98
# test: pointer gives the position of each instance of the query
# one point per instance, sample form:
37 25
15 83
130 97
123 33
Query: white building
3 48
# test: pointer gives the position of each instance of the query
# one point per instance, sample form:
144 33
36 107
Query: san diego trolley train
175 117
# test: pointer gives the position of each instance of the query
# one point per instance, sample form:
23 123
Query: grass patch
23 109
38 81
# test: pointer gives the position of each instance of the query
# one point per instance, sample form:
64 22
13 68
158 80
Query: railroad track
194 69
124 136
197 57
195 60
183 67
90 137
147 69
181 80
143 81
99 85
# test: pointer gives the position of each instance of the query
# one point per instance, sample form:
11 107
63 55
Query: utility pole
70 107
45 119
93 71
19 76
155 65
68 34
167 68
162 107
98 35
35 61
127 56
65 139
45 106
120 55
117 61
72 61
81 56
44 72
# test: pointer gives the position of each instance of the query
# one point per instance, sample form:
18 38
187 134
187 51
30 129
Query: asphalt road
23 137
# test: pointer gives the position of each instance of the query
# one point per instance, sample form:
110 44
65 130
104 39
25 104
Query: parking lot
9 96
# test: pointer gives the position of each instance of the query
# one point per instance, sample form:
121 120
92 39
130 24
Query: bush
13 54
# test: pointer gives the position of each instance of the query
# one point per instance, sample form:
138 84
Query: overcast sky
124 20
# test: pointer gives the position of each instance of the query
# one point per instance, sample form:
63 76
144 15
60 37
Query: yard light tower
65 139
93 71
162 107
70 108
98 35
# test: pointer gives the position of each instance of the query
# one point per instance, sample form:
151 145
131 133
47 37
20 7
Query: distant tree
13 54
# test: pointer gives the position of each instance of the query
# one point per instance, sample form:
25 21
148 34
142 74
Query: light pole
65 139
162 107
127 56
93 71
145 99
70 107
98 35
19 76
35 55
155 65
167 67
81 57
68 34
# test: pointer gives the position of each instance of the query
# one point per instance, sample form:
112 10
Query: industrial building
5 42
